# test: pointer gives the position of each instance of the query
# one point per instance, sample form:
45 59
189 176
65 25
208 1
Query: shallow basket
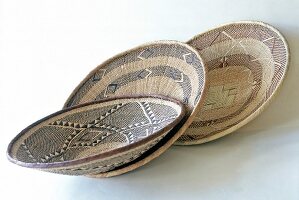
246 63
96 137
167 68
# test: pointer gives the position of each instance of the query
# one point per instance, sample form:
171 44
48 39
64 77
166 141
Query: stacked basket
135 105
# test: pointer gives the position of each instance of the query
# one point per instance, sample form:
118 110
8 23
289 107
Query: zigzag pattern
112 166
94 143
69 143
109 112
63 149
132 126
28 152
109 127
148 110
164 119
68 124
81 127
131 137
88 125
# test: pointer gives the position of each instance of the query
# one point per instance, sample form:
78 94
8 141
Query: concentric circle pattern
246 63
167 68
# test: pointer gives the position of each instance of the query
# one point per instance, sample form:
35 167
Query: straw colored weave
167 68
97 137
246 63
102 132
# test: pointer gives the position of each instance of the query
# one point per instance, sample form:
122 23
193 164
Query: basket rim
204 91
118 55
178 130
107 154
266 103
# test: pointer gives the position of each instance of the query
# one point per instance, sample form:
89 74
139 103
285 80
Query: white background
47 47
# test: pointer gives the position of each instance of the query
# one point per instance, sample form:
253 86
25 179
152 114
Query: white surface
47 47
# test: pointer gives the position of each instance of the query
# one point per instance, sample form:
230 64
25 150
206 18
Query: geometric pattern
145 54
94 129
260 53
111 88
134 72
144 73
167 68
98 75
189 58
156 68
220 96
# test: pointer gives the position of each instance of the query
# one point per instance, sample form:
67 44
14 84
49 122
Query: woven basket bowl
96 137
246 63
167 68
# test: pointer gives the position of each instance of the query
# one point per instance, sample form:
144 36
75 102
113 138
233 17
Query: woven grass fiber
246 63
96 137
167 68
